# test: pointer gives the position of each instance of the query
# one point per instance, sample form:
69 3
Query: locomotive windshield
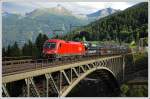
50 45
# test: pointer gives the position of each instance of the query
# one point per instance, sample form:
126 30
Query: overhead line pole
71 26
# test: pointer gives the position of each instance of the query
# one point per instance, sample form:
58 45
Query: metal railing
16 58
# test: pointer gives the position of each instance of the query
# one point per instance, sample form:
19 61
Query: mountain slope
18 28
22 28
102 13
126 25
59 10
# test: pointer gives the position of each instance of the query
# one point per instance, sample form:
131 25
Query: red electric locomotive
57 48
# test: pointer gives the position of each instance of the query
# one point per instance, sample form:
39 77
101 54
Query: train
60 48
56 48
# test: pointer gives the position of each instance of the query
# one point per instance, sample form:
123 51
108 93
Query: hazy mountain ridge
59 10
22 28
102 13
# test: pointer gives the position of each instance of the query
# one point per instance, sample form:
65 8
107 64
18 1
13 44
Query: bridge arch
64 78
81 77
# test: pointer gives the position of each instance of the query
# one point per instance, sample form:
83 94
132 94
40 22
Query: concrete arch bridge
60 80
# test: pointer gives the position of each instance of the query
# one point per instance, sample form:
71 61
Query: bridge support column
71 76
88 66
110 63
119 71
50 80
123 66
60 83
83 69
47 86
113 67
28 87
75 72
5 90
102 63
116 66
63 72
105 63
31 85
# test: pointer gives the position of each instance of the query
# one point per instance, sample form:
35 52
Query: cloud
17 7
75 7
102 5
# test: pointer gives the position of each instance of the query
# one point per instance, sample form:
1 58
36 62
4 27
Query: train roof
62 41
55 40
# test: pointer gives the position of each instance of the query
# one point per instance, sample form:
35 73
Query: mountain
4 13
101 13
22 28
58 10
128 25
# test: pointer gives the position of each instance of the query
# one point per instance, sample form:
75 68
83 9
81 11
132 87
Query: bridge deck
14 76
17 66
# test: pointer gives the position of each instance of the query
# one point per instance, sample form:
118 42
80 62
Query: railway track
19 66
11 67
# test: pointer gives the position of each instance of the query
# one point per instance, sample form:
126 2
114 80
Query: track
19 66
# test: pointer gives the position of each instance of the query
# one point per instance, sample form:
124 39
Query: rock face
101 13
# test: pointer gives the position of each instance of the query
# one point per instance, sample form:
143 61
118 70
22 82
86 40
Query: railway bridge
57 78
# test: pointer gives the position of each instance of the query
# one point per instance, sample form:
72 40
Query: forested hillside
128 25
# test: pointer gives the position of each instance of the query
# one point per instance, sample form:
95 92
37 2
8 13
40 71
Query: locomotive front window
50 45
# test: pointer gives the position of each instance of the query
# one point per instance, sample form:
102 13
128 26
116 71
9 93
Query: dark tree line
28 49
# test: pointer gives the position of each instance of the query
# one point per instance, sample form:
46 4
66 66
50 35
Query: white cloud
120 5
75 7
102 5
85 7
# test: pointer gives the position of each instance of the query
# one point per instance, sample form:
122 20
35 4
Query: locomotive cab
49 49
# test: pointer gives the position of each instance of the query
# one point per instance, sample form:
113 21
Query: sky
75 7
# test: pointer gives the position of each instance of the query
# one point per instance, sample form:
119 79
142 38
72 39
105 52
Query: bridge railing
14 66
16 62
16 58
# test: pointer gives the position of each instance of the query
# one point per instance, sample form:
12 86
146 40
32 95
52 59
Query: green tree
124 36
16 50
25 50
3 52
13 51
39 43
30 49
137 91
8 51
123 25
124 88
